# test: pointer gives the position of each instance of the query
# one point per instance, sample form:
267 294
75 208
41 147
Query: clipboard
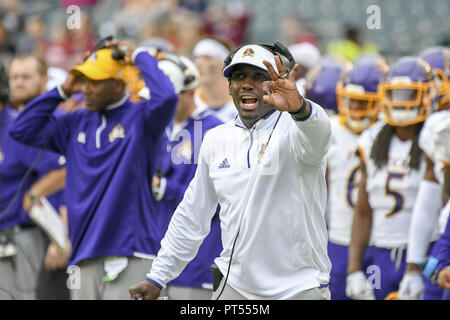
44 215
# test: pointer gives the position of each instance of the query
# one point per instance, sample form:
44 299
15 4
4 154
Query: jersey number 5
398 197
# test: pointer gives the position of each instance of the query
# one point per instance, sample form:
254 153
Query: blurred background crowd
407 26
62 31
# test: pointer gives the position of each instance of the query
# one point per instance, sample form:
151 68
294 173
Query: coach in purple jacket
176 168
110 148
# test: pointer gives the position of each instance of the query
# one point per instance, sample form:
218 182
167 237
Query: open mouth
249 102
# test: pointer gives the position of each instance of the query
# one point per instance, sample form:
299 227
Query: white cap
253 55
174 71
305 54
210 47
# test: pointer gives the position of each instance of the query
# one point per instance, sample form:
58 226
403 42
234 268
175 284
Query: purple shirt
178 164
15 161
109 154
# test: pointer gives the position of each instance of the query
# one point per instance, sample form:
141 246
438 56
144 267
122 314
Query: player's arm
361 225
424 217
160 109
50 183
357 286
37 126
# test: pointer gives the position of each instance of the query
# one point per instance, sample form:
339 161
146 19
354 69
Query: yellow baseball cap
101 66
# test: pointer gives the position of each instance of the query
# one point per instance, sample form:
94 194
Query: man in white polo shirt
266 169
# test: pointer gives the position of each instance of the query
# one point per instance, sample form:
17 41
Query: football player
321 82
429 218
392 166
358 105
441 137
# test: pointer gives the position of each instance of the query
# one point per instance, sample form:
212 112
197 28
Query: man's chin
20 102
91 108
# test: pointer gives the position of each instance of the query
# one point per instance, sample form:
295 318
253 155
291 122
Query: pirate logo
117 132
248 53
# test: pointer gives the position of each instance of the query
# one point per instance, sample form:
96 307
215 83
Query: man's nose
85 87
248 83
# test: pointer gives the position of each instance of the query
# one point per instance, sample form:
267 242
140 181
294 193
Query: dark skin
279 92
97 94
270 90
362 223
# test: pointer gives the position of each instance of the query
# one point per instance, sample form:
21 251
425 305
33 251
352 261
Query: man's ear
119 86
229 87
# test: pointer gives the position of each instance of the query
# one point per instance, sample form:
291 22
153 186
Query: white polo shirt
276 199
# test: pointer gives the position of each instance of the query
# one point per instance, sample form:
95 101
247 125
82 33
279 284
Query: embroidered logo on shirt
62 160
2 156
261 152
185 150
224 164
81 137
117 132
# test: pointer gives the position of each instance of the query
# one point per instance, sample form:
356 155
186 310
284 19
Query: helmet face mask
439 60
321 83
444 89
357 93
406 104
358 107
408 93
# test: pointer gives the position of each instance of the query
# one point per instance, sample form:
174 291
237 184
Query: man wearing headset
110 148
266 169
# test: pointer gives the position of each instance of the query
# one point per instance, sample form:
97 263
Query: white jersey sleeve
312 141
343 180
441 139
427 142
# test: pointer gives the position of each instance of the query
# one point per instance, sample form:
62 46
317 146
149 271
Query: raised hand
281 92
73 84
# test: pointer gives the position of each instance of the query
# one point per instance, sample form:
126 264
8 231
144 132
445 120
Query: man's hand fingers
294 72
280 67
272 74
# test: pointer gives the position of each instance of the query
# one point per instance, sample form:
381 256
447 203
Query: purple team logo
248 53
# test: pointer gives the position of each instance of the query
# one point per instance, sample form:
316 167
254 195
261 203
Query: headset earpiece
188 76
116 53
277 48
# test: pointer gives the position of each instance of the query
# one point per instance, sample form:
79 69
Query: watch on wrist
32 196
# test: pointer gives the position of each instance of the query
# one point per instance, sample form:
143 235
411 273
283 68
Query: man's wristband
301 111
